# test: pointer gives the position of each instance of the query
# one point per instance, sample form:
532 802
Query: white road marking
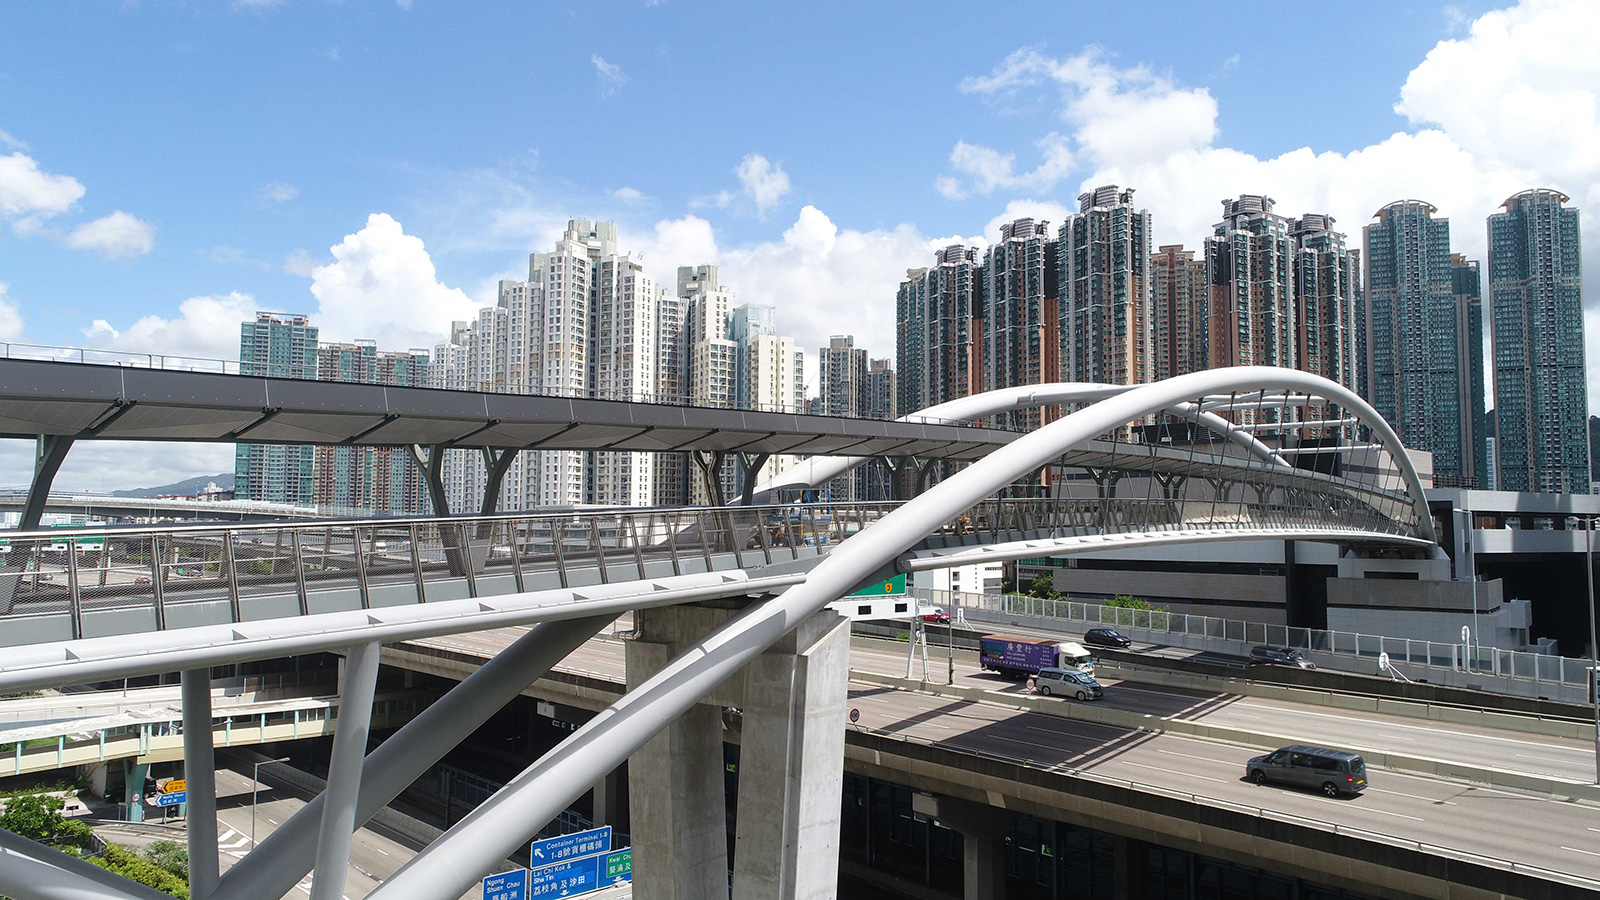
1186 775
1190 756
1539 758
1585 852
1372 790
1369 809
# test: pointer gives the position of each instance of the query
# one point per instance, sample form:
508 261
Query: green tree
36 817
131 866
260 567
169 855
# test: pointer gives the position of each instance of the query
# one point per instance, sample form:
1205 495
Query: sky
167 168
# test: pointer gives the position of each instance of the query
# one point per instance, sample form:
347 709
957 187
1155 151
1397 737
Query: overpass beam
431 461
344 772
677 807
791 753
496 466
49 453
749 467
983 841
199 761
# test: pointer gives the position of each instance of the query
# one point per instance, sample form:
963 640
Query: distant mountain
187 486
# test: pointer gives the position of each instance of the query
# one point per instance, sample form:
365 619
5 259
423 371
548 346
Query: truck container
1019 657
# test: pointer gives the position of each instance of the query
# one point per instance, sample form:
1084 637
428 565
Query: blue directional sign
172 799
568 846
618 866
566 879
506 885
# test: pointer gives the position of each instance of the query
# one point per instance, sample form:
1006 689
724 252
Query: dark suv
1105 637
1281 656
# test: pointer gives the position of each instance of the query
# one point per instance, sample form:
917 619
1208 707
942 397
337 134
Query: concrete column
199 771
607 797
344 772
791 764
983 841
133 776
677 804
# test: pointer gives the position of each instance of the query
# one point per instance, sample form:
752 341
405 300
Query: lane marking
1539 758
1584 852
1373 790
1368 809
1185 775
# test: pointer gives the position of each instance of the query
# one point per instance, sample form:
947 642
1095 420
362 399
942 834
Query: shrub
129 865
171 856
36 817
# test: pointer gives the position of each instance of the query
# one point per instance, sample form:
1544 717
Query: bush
36 817
260 567
129 865
171 856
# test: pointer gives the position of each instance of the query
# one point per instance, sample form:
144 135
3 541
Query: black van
1333 772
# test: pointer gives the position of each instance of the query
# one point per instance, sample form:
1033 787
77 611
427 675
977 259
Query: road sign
1466 635
176 785
172 799
568 846
566 879
895 585
506 886
618 867
855 715
1383 662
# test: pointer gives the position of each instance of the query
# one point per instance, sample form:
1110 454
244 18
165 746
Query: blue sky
165 167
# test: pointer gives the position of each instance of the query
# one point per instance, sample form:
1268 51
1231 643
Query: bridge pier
790 760
983 841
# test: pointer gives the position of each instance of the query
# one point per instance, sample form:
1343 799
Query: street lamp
1472 572
255 788
1594 638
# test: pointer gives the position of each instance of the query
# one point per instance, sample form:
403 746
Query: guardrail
1504 671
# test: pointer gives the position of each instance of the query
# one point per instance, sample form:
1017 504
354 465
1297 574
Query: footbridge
735 606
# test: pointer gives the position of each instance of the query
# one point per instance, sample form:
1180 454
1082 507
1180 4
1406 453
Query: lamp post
255 788
1594 637
1472 572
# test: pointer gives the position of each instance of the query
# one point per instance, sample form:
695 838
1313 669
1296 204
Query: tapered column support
199 761
273 868
49 453
344 772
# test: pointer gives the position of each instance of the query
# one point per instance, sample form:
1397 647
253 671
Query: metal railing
117 581
1320 646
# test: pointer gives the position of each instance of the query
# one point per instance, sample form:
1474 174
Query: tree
169 855
36 817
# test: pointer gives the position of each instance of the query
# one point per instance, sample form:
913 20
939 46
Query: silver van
1067 682
1333 772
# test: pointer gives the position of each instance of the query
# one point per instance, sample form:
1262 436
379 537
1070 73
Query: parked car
1279 656
1333 772
1106 637
142 579
1068 683
935 614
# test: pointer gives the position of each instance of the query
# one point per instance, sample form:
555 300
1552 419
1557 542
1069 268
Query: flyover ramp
1055 767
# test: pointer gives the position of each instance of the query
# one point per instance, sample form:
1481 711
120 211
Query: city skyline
174 252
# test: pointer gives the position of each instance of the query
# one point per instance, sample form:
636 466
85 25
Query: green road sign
619 865
887 587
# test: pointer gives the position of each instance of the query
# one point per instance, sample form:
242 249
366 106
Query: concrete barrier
1102 715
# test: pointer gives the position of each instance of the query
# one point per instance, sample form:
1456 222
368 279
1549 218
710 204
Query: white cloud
382 285
117 235
628 194
11 140
278 192
403 4
764 183
299 263
207 327
988 169
118 465
26 191
257 4
10 317
611 75
688 241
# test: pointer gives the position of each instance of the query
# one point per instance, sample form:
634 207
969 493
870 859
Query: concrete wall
1185 592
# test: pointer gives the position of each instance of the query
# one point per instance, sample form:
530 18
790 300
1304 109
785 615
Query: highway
1555 834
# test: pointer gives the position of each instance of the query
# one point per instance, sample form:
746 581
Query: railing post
233 575
361 561
416 564
465 549
157 589
599 550
73 591
300 572
516 553
558 540
672 542
638 552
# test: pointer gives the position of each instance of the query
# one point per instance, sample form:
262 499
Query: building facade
278 346
1466 288
1179 315
1103 274
842 377
1021 318
1535 297
369 480
939 339
1249 272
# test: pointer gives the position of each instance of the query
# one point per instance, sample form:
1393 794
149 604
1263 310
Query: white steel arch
820 469
453 863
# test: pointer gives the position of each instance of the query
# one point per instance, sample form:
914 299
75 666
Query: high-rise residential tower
1466 288
1414 342
1326 279
1178 312
842 371
282 346
1021 321
1104 283
369 479
939 341
1535 294
1249 270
